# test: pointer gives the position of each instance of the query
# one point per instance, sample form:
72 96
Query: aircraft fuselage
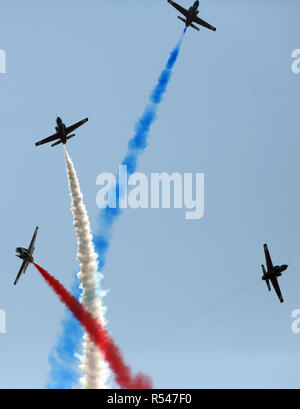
193 12
61 130
276 272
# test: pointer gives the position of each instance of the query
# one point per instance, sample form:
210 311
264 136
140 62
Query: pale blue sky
231 111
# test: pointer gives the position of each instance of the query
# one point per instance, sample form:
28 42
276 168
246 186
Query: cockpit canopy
21 251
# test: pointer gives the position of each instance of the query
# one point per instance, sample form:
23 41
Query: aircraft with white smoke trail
26 256
272 273
191 16
62 132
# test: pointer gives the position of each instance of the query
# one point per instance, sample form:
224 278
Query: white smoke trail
95 372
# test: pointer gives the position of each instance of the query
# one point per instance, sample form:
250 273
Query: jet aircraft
26 255
272 273
62 132
191 16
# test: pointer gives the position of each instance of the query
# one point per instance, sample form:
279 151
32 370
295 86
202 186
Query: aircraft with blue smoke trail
26 256
191 16
62 132
272 273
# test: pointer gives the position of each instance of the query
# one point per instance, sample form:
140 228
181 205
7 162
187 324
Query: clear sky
231 111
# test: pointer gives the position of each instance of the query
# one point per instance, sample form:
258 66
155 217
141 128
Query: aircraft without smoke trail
62 132
191 16
26 256
272 273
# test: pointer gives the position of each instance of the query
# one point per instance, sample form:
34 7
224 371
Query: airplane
191 16
272 273
26 256
62 132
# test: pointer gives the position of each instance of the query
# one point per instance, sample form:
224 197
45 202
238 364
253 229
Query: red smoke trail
99 336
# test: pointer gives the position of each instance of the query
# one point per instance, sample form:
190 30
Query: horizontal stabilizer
70 136
195 27
182 19
268 285
56 143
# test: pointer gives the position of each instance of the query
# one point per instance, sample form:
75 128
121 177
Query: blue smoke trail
64 371
136 147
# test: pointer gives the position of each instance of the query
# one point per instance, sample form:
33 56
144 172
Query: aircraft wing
75 126
268 258
22 270
275 284
181 9
203 23
31 245
46 140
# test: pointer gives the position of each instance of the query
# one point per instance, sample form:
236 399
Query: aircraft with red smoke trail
62 132
26 256
272 273
191 16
